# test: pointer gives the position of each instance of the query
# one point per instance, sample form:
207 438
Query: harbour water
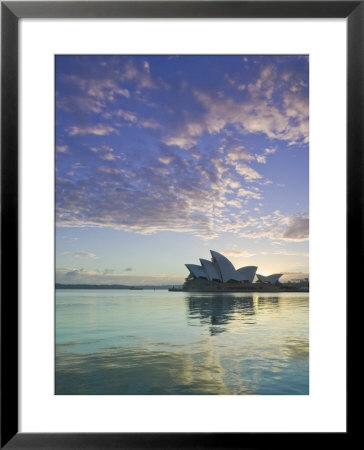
155 342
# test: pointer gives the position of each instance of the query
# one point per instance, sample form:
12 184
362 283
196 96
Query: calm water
159 342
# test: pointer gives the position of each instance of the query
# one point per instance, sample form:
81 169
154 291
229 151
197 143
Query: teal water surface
150 342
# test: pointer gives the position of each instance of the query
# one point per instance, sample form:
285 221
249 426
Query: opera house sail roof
247 273
272 279
196 270
211 269
221 269
227 269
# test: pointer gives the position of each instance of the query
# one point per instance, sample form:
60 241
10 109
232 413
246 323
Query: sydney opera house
220 274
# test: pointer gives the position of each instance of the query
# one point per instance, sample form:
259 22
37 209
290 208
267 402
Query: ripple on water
156 343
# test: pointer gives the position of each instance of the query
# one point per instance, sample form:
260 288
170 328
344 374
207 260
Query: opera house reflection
216 311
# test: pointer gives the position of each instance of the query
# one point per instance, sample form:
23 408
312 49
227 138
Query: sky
160 159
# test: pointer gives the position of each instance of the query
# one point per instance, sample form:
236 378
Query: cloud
127 115
62 148
249 194
285 253
188 168
183 142
285 119
98 130
80 254
139 73
80 103
297 227
102 148
105 153
237 153
202 197
104 89
66 275
269 151
247 172
238 254
108 157
162 190
85 255
146 66
132 118
258 115
165 159
145 199
261 159
277 226
77 165
94 95
149 123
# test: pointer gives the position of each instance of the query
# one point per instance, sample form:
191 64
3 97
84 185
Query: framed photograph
180 182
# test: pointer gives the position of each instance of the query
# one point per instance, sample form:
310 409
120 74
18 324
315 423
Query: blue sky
161 158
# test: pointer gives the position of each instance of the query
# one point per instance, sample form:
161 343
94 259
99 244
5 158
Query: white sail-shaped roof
227 270
247 273
211 269
272 279
196 270
221 269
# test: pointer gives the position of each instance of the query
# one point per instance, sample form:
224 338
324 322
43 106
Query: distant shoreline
109 286
171 288
241 291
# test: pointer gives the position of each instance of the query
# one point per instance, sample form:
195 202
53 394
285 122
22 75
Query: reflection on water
158 342
297 348
141 371
215 311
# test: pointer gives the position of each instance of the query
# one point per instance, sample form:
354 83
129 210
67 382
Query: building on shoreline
220 275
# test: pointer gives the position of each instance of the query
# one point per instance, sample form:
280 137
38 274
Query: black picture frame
11 12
